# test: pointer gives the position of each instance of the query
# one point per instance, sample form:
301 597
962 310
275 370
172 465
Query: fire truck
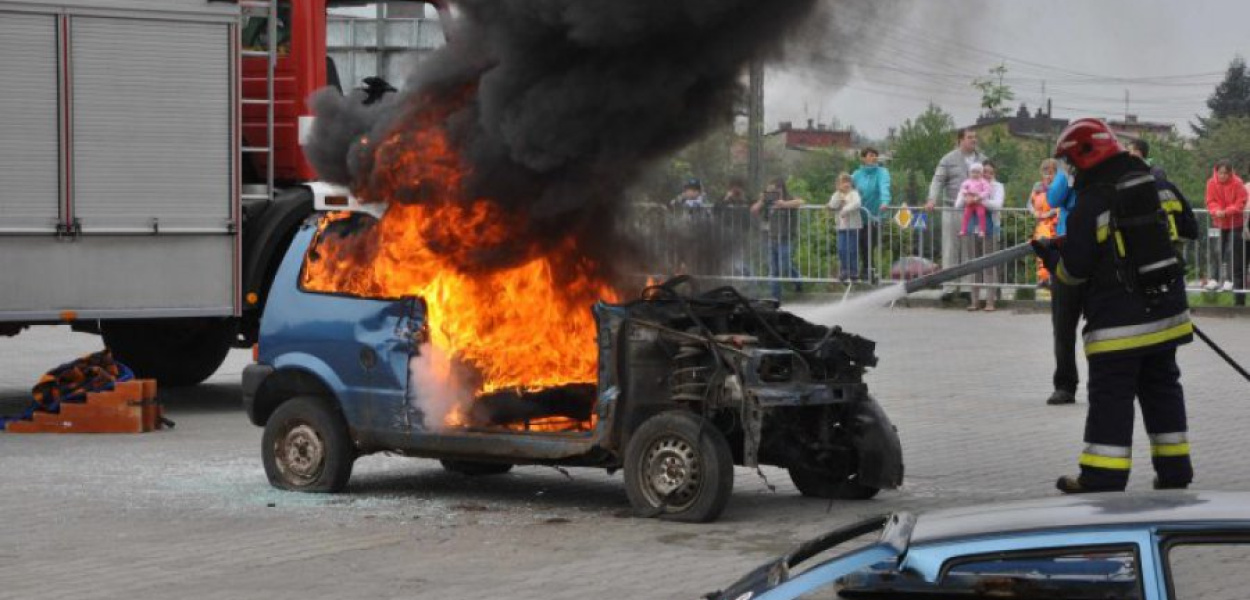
151 175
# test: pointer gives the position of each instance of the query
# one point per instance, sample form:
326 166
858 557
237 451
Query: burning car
673 388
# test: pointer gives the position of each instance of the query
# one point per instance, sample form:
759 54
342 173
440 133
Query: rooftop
1093 510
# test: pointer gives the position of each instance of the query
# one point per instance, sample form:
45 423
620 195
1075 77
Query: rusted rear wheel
307 448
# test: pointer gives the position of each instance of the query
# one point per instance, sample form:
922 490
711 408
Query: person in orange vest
1047 217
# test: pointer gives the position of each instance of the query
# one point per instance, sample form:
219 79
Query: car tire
474 468
174 352
821 484
678 466
306 447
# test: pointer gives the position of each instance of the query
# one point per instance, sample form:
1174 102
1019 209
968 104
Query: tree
1183 166
1230 99
921 142
995 95
1226 139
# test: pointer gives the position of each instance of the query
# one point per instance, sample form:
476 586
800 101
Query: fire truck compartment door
30 194
152 116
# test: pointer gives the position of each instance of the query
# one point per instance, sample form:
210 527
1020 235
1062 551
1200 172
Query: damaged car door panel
688 385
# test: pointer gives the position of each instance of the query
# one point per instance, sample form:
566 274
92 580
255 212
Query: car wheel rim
300 454
672 473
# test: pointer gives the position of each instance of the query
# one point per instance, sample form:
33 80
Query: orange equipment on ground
130 407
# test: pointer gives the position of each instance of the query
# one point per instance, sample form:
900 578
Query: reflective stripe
1066 277
1157 265
1113 339
1126 331
1136 181
1169 450
1119 244
1106 462
1173 232
1179 437
1109 451
1104 225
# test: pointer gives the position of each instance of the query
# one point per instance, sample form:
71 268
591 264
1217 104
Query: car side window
340 236
1209 569
1065 573
1059 573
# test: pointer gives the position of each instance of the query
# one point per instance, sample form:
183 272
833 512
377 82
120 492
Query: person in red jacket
1226 200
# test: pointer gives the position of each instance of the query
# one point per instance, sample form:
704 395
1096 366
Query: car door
1210 565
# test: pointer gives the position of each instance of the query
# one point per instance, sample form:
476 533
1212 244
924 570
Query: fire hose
1015 252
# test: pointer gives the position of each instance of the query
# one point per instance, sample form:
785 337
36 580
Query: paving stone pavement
187 513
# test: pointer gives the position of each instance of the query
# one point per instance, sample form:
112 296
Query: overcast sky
1168 55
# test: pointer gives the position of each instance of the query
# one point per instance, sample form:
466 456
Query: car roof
1083 511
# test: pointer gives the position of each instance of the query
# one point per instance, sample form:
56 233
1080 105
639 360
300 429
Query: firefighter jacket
1120 322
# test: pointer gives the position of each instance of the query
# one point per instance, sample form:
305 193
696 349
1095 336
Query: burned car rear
687 386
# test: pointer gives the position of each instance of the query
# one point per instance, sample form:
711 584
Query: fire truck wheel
306 447
175 352
678 466
821 484
473 468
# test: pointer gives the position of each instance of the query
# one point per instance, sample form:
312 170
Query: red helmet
1086 143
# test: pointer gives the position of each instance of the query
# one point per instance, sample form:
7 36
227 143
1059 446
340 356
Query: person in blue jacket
872 181
1065 303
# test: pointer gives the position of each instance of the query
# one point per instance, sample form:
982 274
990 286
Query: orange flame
527 326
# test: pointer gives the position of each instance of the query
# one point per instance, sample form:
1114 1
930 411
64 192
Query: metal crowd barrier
732 244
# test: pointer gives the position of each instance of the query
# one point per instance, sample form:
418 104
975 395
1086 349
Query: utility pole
755 127
1126 105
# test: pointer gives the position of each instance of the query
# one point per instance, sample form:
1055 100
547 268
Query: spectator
691 196
778 221
847 202
1047 217
973 193
1141 149
736 195
985 242
1226 199
872 181
950 173
1065 301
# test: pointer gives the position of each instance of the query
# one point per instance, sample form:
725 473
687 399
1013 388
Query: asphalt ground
187 512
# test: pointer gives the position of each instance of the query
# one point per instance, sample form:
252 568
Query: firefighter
1134 304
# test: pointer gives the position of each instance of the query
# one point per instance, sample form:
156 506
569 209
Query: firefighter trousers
1114 382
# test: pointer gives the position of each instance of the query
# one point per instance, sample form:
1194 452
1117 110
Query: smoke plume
560 104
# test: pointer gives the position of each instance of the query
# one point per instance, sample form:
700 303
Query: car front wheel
678 466
822 484
307 448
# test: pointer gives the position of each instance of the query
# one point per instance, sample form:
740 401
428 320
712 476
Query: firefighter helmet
1086 143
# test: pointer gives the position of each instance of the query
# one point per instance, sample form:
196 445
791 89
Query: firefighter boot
1073 485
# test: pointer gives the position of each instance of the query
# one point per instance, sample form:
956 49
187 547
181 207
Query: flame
527 326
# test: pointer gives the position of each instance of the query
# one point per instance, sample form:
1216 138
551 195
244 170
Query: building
1132 128
789 144
1039 126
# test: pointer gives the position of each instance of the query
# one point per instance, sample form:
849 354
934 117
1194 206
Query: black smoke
570 100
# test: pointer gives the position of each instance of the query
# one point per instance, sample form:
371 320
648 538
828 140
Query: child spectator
847 203
972 196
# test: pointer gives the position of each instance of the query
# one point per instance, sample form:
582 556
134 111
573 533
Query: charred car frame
689 385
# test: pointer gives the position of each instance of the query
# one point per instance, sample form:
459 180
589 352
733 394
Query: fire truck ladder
268 10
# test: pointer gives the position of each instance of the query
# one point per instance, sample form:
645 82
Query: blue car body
916 557
358 350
